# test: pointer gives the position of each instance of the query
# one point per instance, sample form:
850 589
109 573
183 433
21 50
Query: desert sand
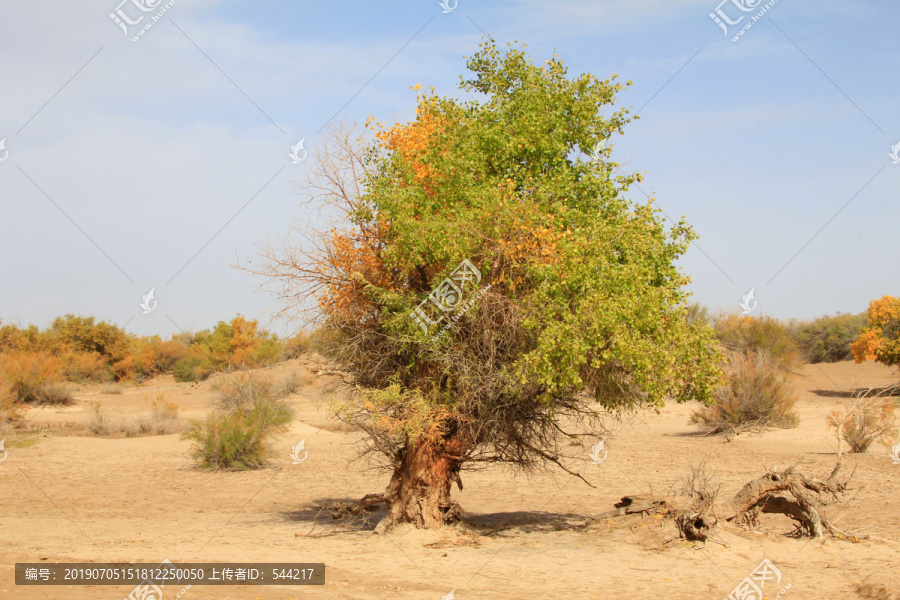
69 496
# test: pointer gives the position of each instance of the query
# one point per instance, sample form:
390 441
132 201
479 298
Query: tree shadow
696 433
489 524
333 516
886 391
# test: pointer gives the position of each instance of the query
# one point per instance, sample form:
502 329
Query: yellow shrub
84 366
33 377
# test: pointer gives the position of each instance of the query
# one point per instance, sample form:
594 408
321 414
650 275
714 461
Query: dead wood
786 492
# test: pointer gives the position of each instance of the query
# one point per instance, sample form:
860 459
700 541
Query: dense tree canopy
494 290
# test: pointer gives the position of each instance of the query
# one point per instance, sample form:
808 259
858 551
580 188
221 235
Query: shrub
155 356
698 312
290 385
238 344
863 422
111 388
196 366
84 366
163 419
8 409
33 378
295 345
745 334
30 339
55 392
756 394
97 422
235 434
827 339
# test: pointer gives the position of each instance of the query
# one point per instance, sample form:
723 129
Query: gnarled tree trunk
419 490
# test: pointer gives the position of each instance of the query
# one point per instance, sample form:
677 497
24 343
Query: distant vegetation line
35 364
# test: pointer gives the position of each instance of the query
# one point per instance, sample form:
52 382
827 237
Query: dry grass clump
97 423
111 388
162 420
757 394
249 410
867 419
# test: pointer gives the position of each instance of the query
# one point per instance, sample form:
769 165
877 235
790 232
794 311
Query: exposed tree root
784 492
790 493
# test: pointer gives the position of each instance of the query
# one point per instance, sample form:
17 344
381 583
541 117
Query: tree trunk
419 491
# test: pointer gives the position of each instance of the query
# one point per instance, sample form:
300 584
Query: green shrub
756 394
827 339
193 368
235 434
698 312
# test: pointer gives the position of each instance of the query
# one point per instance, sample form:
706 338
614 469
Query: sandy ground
68 496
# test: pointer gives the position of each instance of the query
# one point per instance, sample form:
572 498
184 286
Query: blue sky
126 159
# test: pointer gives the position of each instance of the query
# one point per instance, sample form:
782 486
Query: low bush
235 435
33 378
97 423
756 394
760 335
84 366
162 420
864 421
193 368
827 339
